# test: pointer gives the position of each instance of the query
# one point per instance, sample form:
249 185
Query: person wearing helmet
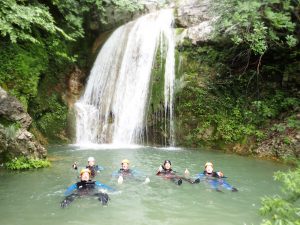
86 187
166 171
209 171
91 166
215 178
125 172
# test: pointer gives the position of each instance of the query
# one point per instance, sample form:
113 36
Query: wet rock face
3 142
22 143
192 12
75 82
75 85
195 17
12 110
15 142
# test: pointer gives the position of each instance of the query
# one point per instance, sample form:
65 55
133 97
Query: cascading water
113 107
169 83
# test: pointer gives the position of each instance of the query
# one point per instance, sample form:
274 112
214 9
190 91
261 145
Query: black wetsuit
171 174
85 188
125 173
94 169
166 172
213 174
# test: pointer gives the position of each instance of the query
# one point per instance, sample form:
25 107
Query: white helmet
91 159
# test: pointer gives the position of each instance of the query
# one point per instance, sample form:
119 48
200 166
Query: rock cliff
195 17
15 139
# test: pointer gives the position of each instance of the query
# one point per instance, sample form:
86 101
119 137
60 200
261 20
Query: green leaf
291 41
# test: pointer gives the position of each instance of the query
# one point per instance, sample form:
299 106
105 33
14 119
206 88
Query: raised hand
120 180
75 167
147 180
186 172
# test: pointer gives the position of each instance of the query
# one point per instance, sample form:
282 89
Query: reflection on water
33 197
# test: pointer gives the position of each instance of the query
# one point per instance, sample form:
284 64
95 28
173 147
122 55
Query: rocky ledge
15 139
195 18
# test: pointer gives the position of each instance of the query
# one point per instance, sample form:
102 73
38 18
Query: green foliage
226 116
158 71
260 25
291 123
24 20
264 41
12 130
273 105
39 42
20 69
284 210
59 52
74 12
232 118
128 5
278 127
213 107
50 116
21 21
22 163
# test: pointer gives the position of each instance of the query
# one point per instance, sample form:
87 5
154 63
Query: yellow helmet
125 161
84 171
208 164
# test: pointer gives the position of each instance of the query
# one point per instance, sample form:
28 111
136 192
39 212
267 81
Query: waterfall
113 107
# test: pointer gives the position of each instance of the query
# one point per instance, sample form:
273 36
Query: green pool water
33 197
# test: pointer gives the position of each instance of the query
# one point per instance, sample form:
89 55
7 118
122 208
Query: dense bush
22 163
240 84
75 13
284 209
50 117
26 20
23 20
217 105
260 25
21 68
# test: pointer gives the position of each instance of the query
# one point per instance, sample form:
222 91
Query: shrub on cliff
260 25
